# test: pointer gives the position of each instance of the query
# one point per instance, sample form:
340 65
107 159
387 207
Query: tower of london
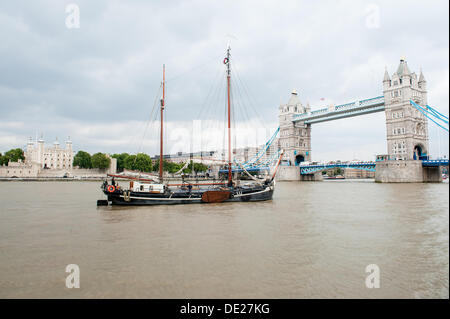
49 157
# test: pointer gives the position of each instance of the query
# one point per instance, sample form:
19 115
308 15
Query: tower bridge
404 102
331 113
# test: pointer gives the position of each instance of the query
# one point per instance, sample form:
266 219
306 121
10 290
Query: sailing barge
152 191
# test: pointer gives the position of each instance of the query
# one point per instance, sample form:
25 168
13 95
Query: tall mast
162 123
227 62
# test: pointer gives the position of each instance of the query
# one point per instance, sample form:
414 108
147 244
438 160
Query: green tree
82 160
143 162
140 162
13 155
156 165
121 160
130 162
100 160
168 166
198 167
172 167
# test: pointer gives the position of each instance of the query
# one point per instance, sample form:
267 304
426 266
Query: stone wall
19 169
74 172
33 170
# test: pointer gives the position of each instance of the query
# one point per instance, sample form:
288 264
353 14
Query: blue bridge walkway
331 113
367 166
310 169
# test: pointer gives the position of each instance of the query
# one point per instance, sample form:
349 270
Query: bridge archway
419 152
299 158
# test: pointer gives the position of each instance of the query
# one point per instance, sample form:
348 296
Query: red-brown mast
227 62
162 123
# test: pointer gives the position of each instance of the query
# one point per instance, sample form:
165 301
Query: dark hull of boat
143 199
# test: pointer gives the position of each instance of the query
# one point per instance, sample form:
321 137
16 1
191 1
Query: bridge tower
294 138
406 127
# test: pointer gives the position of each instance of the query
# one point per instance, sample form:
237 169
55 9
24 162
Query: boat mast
162 123
227 59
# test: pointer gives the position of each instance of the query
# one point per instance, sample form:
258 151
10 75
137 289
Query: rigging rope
250 100
149 121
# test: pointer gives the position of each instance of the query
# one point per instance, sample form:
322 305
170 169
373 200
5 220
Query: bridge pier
409 171
292 173
288 173
313 177
432 174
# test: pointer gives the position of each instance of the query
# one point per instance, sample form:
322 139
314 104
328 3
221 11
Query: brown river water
313 240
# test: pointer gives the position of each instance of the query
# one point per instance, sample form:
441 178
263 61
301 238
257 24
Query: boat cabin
148 188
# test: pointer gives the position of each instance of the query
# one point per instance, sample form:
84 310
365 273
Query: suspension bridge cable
418 107
442 117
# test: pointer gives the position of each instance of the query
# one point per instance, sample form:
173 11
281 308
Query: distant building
38 158
51 162
358 173
51 157
182 157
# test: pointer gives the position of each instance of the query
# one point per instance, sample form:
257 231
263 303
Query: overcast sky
98 83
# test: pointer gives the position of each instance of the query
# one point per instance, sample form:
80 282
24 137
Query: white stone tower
29 152
295 139
69 153
406 127
40 151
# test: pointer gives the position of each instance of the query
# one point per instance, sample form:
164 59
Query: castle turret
68 143
386 80
422 82
69 153
30 145
40 150
403 69
29 151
